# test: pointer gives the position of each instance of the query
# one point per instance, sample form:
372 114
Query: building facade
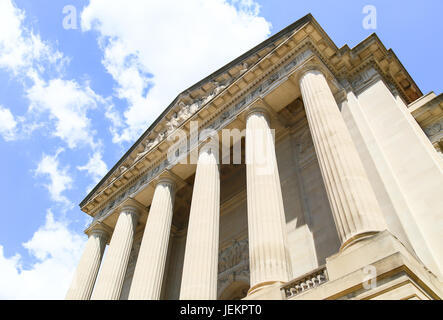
299 170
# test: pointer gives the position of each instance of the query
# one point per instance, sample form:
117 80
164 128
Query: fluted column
87 269
353 203
199 279
268 253
148 274
112 274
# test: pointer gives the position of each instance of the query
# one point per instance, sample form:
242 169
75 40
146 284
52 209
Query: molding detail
232 256
434 129
364 79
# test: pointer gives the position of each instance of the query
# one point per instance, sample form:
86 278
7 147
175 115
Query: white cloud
59 178
60 107
20 49
153 50
57 250
95 168
67 104
166 46
7 124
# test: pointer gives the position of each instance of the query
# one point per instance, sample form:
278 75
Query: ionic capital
100 229
258 107
314 65
307 68
168 180
132 206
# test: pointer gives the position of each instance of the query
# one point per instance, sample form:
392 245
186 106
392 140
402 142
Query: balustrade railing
306 282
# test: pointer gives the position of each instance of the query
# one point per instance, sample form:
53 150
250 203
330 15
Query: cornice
428 110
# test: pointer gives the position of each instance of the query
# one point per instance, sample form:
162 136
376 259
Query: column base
357 238
269 290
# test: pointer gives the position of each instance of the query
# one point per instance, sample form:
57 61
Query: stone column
112 274
199 280
86 273
148 274
356 211
268 253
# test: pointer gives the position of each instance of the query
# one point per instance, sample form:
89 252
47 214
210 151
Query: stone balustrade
306 282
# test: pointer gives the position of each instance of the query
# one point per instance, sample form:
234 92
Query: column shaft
353 203
86 273
268 253
199 280
149 271
112 274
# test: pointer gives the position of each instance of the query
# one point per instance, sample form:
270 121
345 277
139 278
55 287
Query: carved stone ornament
233 255
434 129
172 124
244 68
219 87
363 78
233 263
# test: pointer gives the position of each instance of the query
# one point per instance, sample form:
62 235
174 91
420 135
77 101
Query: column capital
133 206
314 64
99 228
177 181
167 179
307 68
258 107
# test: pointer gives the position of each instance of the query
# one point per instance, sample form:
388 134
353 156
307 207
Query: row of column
353 203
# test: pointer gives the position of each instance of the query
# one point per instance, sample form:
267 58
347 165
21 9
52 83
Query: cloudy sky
81 80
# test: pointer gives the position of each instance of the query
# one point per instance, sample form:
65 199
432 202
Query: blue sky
72 101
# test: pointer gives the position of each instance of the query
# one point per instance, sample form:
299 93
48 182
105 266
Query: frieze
184 113
434 129
218 123
178 118
364 78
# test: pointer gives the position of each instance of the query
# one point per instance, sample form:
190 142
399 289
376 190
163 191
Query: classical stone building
348 203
